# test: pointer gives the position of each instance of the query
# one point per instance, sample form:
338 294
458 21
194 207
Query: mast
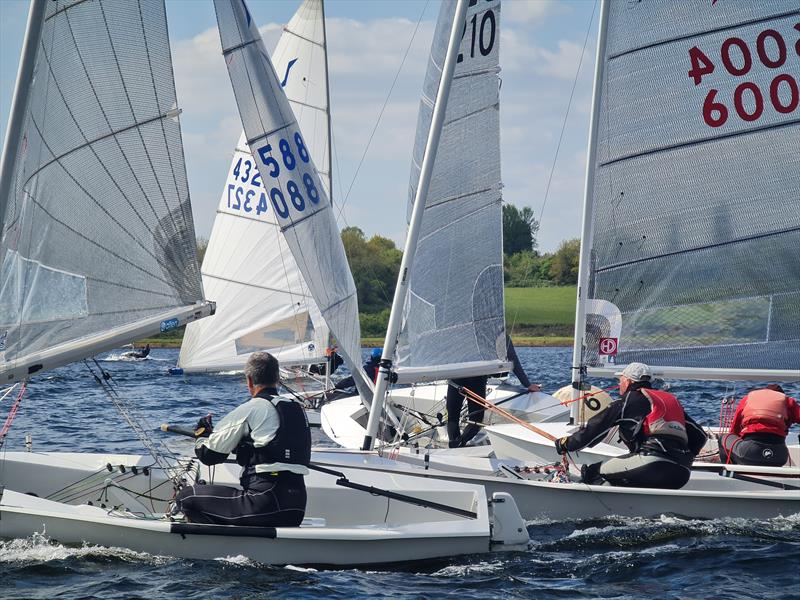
328 99
428 160
19 101
588 214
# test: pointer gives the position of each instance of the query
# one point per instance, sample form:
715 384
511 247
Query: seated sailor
759 428
272 441
662 439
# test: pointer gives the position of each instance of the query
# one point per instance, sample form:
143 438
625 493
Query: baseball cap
376 353
635 371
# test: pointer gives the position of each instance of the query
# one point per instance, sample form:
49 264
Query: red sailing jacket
666 415
765 411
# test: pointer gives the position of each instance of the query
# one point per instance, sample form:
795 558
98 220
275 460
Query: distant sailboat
264 302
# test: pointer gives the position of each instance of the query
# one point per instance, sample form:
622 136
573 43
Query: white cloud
364 57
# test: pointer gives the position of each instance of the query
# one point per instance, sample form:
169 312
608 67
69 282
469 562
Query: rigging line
383 108
561 137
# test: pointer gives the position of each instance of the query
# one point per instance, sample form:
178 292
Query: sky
541 44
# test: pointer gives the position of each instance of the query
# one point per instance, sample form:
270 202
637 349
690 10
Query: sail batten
695 205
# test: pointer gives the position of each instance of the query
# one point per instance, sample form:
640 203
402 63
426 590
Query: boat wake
39 549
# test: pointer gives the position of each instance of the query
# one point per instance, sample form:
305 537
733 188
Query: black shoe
590 474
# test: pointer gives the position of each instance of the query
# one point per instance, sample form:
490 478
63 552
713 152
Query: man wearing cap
663 440
759 428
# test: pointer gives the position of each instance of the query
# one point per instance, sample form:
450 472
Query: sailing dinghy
673 260
448 317
759 493
94 160
264 303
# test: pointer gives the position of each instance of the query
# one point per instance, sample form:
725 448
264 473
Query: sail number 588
289 161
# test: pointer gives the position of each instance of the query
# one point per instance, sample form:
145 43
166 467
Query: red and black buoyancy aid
666 415
765 411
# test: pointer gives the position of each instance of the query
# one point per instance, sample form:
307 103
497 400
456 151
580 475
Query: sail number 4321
748 99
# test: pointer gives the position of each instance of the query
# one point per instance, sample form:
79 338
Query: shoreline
520 341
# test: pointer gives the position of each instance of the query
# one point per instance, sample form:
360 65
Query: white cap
635 371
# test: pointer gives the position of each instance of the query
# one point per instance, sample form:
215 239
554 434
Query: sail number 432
736 56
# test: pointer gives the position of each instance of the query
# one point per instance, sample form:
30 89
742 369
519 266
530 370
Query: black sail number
482 35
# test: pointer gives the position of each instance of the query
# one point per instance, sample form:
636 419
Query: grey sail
695 250
97 237
295 197
454 314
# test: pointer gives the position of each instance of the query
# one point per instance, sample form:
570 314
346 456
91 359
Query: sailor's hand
534 387
561 445
204 426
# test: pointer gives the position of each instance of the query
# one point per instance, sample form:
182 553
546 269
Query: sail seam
264 136
699 248
225 52
94 152
706 346
704 33
337 303
302 37
63 9
285 228
699 142
221 211
255 285
89 143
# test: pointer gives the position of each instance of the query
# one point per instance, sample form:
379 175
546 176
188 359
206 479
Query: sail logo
608 346
288 68
169 325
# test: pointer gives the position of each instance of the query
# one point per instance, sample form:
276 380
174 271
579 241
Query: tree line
375 263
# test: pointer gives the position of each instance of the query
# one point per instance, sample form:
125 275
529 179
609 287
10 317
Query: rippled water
613 558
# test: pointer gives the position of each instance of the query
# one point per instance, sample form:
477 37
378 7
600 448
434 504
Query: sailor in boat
272 441
759 428
663 440
332 362
370 367
138 353
455 400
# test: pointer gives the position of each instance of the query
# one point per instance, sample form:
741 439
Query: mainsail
263 301
294 192
97 234
693 252
454 320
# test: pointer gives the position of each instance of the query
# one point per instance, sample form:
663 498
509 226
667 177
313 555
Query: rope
12 413
502 412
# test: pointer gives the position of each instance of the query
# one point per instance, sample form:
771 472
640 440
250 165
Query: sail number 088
297 196
737 59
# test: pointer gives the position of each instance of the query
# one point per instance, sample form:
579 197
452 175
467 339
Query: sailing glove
204 427
561 445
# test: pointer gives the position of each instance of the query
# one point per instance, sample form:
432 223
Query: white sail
695 194
263 302
295 194
454 322
97 236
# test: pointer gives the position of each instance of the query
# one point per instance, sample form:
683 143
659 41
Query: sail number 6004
748 98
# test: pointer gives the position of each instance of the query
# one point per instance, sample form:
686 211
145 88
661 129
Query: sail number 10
748 98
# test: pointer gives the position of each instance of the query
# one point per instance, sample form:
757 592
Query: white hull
512 441
707 495
343 526
344 421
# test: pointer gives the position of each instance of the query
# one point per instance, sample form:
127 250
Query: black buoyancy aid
666 416
292 441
